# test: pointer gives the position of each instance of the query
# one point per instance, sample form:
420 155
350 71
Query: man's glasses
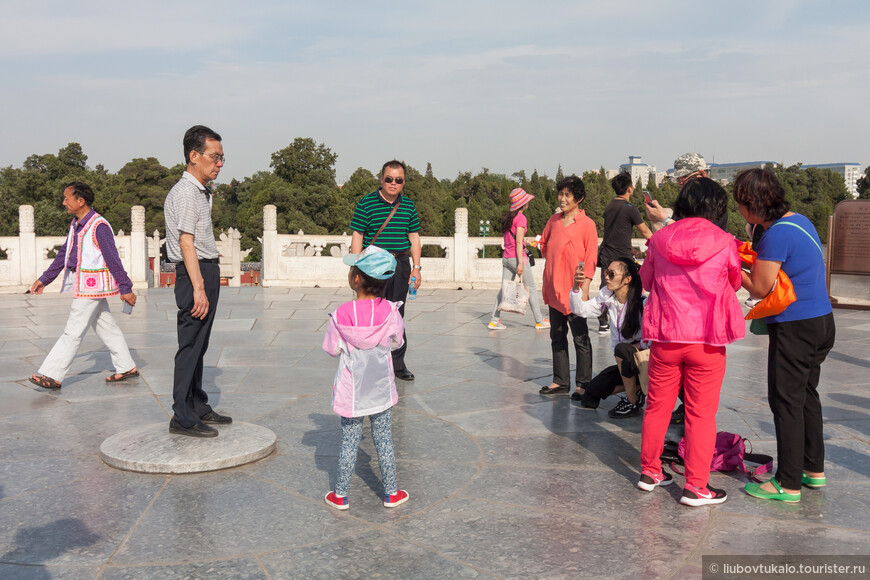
398 180
217 158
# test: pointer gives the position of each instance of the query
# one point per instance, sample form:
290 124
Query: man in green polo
400 236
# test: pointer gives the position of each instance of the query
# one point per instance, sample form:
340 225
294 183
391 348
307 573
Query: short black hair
370 285
574 185
621 183
195 138
394 164
701 197
81 190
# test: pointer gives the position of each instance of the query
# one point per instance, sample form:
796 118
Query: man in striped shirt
400 236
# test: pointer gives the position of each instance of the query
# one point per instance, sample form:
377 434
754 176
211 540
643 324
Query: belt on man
203 261
401 254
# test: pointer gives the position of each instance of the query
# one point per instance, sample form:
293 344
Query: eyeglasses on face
610 274
216 157
398 180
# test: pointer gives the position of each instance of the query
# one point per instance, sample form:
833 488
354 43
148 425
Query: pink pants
700 368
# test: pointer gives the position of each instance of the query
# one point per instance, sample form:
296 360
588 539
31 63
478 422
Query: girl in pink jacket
363 332
692 272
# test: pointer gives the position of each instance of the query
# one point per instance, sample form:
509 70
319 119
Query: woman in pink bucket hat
514 261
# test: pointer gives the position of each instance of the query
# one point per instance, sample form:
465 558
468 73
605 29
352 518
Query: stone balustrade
289 260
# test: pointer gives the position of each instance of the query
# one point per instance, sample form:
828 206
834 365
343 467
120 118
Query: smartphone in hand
647 197
127 308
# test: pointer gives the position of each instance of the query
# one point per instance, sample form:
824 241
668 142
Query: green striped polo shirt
371 212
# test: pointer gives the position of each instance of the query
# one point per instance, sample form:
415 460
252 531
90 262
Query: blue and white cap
374 262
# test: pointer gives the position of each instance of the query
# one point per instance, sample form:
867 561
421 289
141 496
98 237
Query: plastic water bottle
412 290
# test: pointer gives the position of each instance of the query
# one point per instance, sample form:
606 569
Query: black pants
559 325
397 290
794 360
605 382
189 400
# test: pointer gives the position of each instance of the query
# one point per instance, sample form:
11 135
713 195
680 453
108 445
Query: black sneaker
678 417
641 398
603 328
698 496
624 409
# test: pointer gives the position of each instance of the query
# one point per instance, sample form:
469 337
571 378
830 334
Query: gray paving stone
18 398
81 522
36 572
272 518
368 555
546 544
238 569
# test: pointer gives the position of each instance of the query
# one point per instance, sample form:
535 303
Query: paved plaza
504 482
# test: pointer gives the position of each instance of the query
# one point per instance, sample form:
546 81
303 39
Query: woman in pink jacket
692 272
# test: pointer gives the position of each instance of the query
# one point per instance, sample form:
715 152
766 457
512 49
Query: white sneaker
542 325
496 324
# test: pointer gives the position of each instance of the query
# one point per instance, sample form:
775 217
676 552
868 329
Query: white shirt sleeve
586 308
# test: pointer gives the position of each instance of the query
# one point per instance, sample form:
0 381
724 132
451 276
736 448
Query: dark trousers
605 382
794 360
397 290
190 402
559 324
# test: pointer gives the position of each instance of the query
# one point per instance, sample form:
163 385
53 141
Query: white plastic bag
514 296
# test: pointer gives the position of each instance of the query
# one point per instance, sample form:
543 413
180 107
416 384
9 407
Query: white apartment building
850 172
638 170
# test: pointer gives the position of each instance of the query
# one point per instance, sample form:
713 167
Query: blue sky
464 85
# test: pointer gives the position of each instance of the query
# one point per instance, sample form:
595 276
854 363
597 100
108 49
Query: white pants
85 313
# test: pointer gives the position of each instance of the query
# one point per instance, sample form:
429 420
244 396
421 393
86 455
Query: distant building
850 172
638 170
726 172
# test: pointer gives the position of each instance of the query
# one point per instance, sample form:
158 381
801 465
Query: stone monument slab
152 449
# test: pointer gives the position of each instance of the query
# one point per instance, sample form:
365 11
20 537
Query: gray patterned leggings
382 435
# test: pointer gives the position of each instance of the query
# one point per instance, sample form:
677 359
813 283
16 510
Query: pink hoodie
363 332
692 272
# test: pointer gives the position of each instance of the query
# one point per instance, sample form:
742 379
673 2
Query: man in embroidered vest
391 218
191 245
93 272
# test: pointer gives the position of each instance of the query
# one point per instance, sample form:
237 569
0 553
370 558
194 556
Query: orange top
564 247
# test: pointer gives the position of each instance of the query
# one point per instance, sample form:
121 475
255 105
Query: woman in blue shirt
800 336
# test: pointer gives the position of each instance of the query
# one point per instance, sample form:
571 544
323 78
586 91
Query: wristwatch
417 267
666 221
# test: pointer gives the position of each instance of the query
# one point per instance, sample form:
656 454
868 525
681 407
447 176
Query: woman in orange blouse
568 239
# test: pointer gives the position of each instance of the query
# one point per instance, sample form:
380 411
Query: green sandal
814 482
754 489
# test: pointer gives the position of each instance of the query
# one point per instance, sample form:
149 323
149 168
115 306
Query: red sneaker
338 502
395 499
649 480
698 496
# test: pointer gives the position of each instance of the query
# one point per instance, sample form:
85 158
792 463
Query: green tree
864 185
305 162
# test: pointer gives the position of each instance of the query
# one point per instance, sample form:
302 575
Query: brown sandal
44 382
122 376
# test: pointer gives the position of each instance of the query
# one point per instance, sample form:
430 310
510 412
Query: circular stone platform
152 449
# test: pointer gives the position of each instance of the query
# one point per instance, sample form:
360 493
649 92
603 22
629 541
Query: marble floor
504 482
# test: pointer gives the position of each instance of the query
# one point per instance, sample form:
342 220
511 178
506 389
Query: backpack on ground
729 454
